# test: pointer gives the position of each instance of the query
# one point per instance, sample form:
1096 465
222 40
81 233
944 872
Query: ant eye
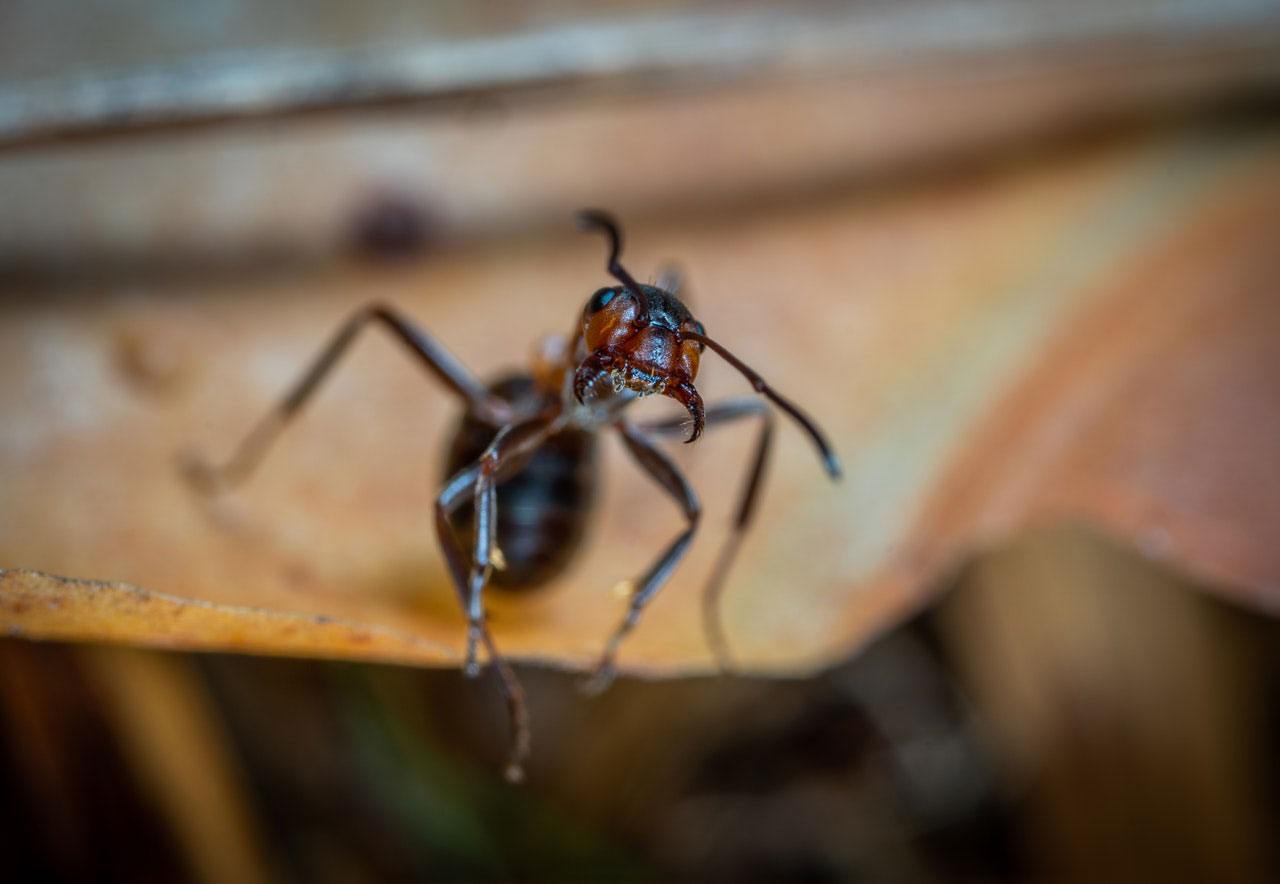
599 300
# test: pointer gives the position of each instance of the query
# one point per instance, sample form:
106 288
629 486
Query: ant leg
670 280
455 491
657 465
719 414
513 694
506 454
437 360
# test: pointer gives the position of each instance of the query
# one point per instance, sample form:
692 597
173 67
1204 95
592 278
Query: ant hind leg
437 360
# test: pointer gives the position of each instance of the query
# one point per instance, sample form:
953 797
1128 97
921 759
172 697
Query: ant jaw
597 366
684 393
604 364
621 373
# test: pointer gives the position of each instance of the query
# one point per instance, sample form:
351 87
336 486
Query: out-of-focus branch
428 68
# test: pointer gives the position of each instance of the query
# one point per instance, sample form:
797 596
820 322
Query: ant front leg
718 415
506 454
657 465
436 359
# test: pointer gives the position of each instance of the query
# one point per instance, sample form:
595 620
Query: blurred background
1078 698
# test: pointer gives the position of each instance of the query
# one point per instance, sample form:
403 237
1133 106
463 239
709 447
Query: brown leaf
43 606
1088 336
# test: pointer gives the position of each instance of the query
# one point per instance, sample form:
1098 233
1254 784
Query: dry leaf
44 606
1090 337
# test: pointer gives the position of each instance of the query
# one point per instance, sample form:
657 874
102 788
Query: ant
521 466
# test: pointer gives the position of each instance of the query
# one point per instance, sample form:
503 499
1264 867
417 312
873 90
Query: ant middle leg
657 465
437 360
718 415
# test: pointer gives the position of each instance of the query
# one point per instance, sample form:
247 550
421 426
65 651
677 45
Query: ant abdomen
543 509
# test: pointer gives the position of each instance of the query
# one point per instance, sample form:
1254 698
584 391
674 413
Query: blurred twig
570 55
178 750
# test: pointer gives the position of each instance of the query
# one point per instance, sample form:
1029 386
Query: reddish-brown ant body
521 467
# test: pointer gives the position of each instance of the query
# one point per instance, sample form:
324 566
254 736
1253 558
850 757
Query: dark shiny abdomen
543 509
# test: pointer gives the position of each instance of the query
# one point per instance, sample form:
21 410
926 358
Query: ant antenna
829 459
594 219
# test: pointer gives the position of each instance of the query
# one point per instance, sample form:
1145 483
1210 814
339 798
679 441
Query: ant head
637 336
644 339
652 335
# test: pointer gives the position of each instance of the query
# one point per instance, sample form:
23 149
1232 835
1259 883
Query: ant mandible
521 466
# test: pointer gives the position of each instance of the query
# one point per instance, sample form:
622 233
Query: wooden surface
1087 334
82 76
121 146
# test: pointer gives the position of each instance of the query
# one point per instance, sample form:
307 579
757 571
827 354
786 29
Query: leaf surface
1087 337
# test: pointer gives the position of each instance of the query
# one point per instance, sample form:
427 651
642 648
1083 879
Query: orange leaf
43 606
1088 338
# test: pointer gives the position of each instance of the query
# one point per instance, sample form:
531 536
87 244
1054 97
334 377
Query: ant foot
199 473
514 773
726 667
600 678
725 664
471 668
